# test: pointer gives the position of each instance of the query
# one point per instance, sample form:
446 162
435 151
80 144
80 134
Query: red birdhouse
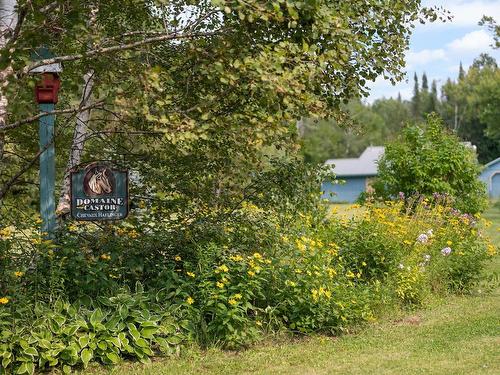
47 90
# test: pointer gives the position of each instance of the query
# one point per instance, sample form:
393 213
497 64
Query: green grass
458 335
493 215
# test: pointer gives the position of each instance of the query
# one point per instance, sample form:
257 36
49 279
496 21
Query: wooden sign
99 192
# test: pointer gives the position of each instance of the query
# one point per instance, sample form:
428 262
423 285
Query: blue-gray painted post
47 170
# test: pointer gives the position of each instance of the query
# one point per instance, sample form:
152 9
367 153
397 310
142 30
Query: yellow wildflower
105 257
314 294
233 302
190 274
219 284
236 258
6 232
259 323
300 246
177 258
331 272
290 283
18 273
237 296
251 273
257 256
4 301
223 268
491 250
350 275
449 243
190 300
133 234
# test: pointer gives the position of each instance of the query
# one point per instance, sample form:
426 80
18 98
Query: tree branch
56 112
121 47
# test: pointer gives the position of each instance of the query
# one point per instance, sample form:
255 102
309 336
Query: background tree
327 139
470 107
416 101
428 159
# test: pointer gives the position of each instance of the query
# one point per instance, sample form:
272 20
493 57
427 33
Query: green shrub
128 325
269 266
427 159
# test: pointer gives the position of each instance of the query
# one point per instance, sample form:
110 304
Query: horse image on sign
98 181
99 192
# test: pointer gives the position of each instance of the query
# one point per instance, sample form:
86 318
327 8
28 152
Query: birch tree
180 87
8 21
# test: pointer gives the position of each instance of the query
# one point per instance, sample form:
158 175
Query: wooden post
47 170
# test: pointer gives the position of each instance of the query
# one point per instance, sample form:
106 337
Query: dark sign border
80 167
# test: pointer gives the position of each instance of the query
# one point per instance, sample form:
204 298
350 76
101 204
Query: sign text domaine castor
99 192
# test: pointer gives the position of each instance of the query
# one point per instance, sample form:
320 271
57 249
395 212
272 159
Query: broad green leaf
86 356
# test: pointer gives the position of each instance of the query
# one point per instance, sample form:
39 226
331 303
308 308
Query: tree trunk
79 137
8 21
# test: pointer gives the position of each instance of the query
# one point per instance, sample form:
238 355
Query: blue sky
437 48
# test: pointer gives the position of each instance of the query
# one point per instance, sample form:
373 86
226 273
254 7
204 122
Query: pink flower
446 251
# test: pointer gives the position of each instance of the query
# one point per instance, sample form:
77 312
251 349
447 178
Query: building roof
365 165
491 163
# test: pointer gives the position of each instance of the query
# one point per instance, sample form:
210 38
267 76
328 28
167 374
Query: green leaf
44 344
148 332
6 362
142 343
83 341
103 345
115 341
139 288
174 340
31 352
86 356
123 311
96 317
133 331
113 357
23 369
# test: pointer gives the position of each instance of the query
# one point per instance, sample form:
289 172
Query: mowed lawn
456 335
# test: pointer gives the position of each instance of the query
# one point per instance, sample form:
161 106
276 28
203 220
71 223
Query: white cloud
465 13
424 57
444 45
384 89
475 41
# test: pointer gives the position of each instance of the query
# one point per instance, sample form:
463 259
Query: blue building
491 177
357 173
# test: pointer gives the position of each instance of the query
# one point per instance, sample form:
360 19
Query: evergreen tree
416 100
425 84
433 99
461 72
